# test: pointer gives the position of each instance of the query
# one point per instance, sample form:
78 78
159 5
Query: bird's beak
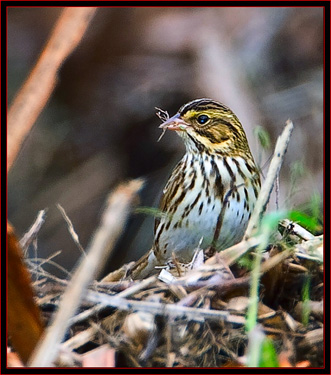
174 123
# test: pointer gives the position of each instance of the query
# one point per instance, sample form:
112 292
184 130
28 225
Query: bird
210 194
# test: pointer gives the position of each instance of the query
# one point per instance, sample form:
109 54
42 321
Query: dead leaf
24 321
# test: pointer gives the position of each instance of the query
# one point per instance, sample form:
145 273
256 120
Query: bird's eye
202 119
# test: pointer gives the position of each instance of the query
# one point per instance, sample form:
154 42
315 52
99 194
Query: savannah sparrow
211 192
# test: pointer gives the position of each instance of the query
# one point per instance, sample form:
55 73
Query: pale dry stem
125 293
71 229
112 222
32 233
268 184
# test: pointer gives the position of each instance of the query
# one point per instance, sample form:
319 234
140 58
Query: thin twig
71 229
103 241
40 270
128 292
276 162
37 89
32 233
157 308
49 276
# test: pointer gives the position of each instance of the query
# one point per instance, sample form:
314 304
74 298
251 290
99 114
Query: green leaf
268 354
305 302
152 211
316 205
245 261
263 137
298 170
312 224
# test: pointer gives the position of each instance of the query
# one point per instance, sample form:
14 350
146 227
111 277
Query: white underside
184 239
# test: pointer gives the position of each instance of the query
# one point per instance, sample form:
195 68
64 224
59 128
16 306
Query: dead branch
267 186
103 241
37 89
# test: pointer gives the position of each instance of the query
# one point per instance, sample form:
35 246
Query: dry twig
37 89
103 241
32 233
266 189
157 308
125 293
71 229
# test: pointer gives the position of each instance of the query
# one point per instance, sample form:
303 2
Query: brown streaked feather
174 182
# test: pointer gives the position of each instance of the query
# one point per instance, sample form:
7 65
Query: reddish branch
37 89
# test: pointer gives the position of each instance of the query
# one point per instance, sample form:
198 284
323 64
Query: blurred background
99 127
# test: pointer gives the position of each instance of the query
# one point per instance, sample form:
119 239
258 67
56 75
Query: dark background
99 127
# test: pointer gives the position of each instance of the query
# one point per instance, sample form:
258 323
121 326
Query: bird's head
208 126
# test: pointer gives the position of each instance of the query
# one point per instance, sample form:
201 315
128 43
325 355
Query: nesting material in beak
172 123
